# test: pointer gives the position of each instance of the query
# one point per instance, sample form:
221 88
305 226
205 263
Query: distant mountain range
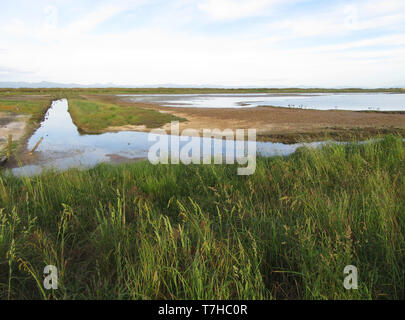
46 84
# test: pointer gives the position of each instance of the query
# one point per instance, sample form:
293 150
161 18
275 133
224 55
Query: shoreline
27 125
273 124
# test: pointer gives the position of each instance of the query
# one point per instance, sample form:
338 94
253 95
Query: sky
262 43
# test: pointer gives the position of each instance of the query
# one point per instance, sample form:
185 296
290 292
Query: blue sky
205 42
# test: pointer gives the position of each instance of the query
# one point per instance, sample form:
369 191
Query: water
318 101
64 147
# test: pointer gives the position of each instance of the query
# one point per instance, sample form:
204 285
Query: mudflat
283 124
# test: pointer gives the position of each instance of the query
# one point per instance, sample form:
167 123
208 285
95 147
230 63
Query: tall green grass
140 231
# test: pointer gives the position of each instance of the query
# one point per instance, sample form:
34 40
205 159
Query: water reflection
319 101
64 147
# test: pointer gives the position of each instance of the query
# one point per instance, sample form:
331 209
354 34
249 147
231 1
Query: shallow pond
64 147
319 101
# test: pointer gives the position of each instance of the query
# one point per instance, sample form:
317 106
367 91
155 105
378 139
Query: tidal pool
318 101
64 147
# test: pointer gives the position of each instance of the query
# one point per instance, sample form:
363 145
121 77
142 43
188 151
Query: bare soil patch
285 124
12 124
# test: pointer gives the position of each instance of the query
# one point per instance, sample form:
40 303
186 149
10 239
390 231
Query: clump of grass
95 116
139 231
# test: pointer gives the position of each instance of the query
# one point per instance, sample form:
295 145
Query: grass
36 108
95 117
63 92
331 134
140 231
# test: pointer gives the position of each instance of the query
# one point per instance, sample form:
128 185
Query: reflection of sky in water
63 147
320 101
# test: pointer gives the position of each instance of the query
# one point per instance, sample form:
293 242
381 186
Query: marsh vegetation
140 231
95 116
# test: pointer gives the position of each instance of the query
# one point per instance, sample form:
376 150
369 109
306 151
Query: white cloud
235 9
392 40
51 16
338 20
157 54
378 7
94 18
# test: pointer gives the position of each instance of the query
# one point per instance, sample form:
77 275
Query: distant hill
45 84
